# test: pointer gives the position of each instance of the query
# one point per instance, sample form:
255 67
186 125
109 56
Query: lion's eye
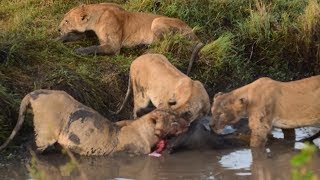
66 21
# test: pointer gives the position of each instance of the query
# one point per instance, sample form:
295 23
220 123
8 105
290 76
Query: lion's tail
125 99
23 106
194 55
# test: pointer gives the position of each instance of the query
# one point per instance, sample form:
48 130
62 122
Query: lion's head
227 109
190 100
168 123
76 20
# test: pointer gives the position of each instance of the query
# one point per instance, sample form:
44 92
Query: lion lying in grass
117 28
155 81
59 118
269 103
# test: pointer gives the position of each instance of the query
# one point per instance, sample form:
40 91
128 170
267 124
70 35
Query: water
240 163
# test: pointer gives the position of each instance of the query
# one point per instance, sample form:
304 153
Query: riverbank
244 40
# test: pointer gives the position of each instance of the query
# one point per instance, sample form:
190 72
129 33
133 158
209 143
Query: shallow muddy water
240 163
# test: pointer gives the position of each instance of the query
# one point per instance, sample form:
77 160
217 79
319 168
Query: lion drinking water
269 103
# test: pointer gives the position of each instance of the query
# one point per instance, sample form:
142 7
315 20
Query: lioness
269 103
59 118
116 28
156 81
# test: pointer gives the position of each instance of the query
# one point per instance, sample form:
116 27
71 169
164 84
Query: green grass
245 39
300 163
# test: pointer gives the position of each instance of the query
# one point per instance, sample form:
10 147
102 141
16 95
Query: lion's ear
158 125
84 18
243 101
172 102
84 15
217 95
153 120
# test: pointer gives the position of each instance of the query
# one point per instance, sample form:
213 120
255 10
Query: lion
117 28
59 118
156 82
269 103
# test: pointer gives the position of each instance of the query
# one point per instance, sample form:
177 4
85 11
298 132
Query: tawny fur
59 118
269 103
116 27
155 80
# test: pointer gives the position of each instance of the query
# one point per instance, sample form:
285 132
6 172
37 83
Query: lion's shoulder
262 80
150 60
109 6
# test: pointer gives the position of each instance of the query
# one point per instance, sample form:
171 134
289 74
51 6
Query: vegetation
246 39
301 163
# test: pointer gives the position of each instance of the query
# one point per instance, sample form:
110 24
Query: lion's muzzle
216 127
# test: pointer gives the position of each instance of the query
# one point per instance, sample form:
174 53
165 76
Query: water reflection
241 163
222 164
240 159
301 133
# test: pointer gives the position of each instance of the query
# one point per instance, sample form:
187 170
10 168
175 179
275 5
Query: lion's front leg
102 49
141 102
260 127
69 37
258 139
89 50
110 42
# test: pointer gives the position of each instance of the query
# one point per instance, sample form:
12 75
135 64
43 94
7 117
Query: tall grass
245 39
